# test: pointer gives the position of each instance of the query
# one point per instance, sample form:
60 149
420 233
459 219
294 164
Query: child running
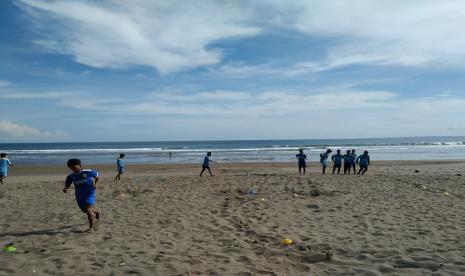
347 162
206 164
120 166
337 159
85 183
5 163
324 159
364 161
301 157
352 160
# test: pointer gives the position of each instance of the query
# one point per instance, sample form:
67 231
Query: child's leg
360 170
1 179
304 167
203 169
339 169
365 169
210 171
91 217
354 168
300 169
334 168
324 169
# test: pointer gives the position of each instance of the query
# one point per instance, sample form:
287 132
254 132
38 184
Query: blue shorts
121 170
3 174
85 201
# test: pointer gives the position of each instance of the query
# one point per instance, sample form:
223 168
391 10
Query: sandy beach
165 220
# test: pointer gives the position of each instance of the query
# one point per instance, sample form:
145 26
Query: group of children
350 159
85 181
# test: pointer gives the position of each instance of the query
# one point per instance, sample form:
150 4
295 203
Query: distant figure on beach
364 162
301 157
85 183
171 155
352 160
5 163
347 162
324 159
337 159
120 166
206 164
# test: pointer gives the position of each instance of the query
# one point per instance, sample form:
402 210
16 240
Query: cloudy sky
116 70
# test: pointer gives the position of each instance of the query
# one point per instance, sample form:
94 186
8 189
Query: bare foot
90 230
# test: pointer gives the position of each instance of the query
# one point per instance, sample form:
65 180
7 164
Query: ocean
410 148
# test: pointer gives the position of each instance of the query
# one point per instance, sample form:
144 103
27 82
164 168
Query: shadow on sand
50 232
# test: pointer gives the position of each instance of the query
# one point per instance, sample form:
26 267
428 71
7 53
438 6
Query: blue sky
205 70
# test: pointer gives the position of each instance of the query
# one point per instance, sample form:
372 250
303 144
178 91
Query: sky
148 70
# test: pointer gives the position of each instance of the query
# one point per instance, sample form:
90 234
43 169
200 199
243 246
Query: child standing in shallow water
5 163
85 183
324 159
206 164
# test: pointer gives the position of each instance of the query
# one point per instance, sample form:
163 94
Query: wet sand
165 220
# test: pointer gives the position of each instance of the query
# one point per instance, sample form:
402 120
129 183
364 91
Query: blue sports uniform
4 164
337 159
348 158
206 162
83 186
302 157
352 158
324 159
363 160
120 164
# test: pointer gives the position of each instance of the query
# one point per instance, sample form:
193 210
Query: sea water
411 148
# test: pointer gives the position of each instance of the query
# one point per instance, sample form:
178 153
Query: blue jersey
348 158
324 158
302 157
120 163
83 183
206 161
353 157
4 164
337 158
363 160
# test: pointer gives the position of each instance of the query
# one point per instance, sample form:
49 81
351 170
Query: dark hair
209 153
73 162
2 155
121 155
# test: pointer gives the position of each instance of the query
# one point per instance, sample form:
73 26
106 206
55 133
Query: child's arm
67 184
95 182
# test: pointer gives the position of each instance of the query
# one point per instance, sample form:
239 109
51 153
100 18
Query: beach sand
165 220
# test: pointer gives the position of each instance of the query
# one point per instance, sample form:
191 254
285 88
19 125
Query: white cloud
410 33
175 35
4 83
9 129
168 36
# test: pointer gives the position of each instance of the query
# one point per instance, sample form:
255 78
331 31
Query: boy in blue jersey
324 159
301 157
337 159
5 163
85 183
347 162
120 166
352 160
364 161
206 164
